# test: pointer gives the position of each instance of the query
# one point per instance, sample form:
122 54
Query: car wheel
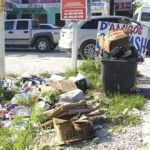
87 49
54 46
42 45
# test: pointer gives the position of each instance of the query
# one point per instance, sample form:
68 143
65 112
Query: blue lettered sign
138 34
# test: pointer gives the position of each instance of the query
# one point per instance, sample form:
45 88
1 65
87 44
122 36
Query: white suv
87 31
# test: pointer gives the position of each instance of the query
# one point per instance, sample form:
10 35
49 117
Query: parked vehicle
48 26
27 33
87 31
143 15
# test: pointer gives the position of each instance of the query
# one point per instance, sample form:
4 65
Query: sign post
74 10
74 54
2 45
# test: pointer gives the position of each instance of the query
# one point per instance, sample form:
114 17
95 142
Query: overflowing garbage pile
115 45
62 102
119 62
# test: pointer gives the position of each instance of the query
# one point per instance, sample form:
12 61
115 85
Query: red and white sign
73 9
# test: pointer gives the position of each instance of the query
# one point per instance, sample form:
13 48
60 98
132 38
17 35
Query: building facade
45 11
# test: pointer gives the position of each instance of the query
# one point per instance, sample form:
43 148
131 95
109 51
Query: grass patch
118 111
70 73
50 95
36 114
15 139
91 69
44 74
13 75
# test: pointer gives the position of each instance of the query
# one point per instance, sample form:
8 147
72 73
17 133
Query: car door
9 32
22 33
88 31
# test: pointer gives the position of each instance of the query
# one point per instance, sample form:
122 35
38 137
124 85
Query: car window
35 24
127 21
145 16
92 24
9 25
22 25
45 27
113 20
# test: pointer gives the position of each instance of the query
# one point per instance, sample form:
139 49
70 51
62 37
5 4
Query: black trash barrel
118 76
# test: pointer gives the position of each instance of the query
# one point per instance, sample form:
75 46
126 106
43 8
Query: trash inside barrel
118 76
119 62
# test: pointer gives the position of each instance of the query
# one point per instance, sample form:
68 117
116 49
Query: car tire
87 49
54 46
43 45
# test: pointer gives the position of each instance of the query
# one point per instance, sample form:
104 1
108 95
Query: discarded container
70 131
118 75
80 81
115 39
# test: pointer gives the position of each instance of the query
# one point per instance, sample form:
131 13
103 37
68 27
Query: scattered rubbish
18 111
69 131
63 85
116 46
95 113
71 96
105 101
97 127
55 77
12 106
26 99
114 39
80 81
68 109
3 112
44 105
61 100
135 112
5 123
125 111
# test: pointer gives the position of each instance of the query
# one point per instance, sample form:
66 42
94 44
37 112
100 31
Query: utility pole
2 41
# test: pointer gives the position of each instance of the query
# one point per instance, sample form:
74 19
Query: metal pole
74 46
2 42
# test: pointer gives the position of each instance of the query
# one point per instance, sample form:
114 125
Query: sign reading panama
138 34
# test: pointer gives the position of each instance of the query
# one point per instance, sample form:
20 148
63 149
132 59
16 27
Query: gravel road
32 62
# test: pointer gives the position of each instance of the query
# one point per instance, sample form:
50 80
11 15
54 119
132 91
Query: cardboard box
63 85
115 39
70 131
